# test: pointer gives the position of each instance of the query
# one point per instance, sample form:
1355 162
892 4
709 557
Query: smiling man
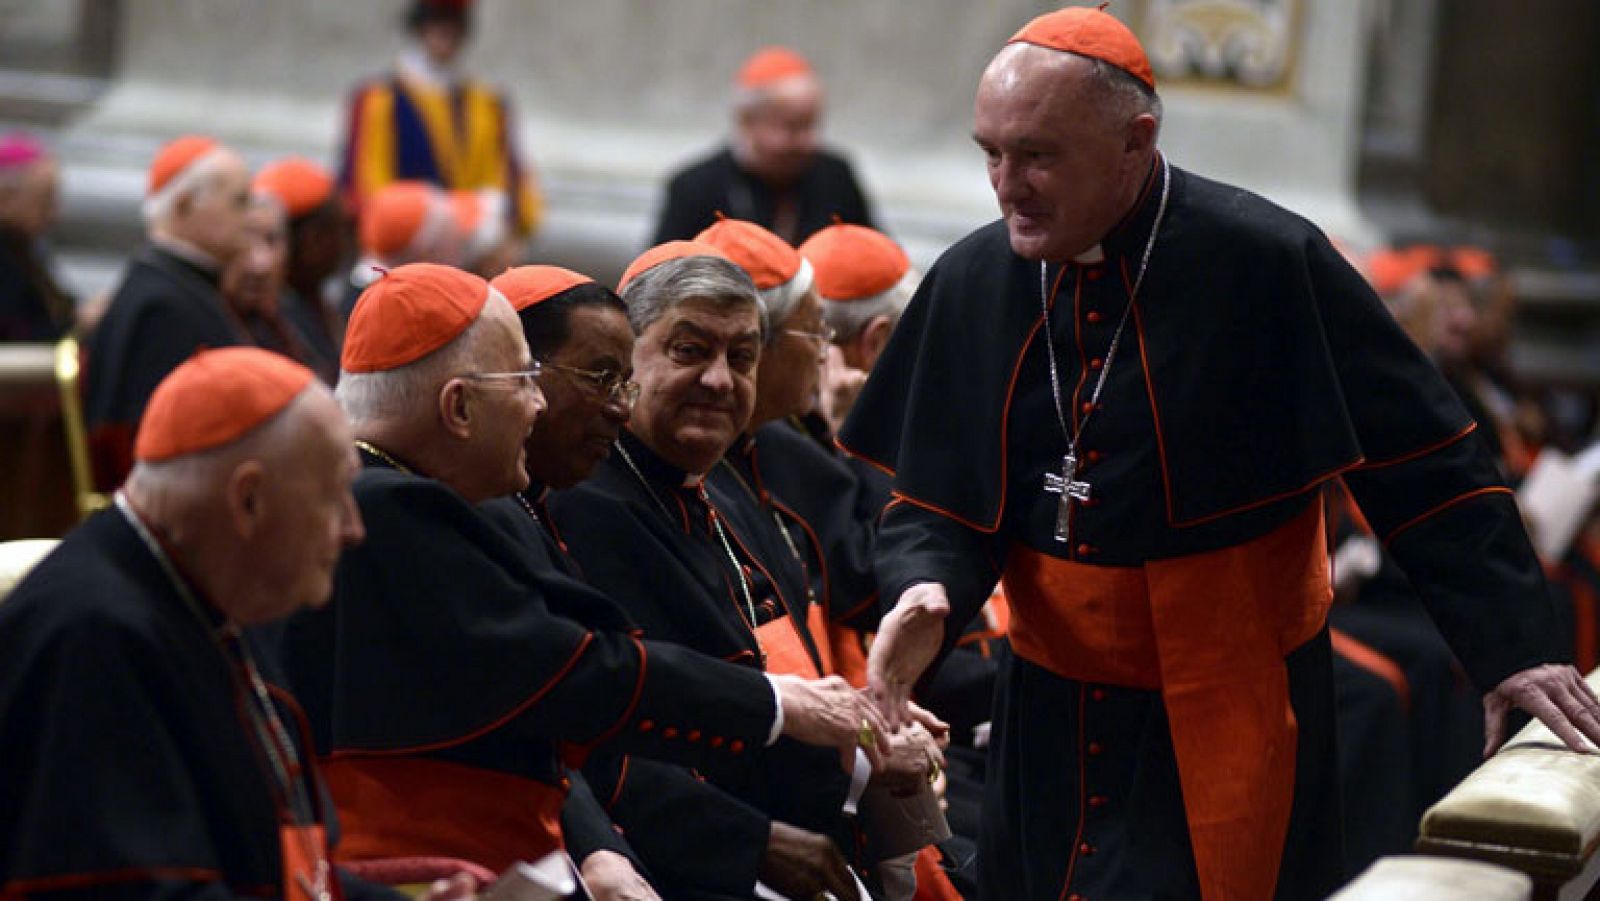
452 664
1121 399
647 532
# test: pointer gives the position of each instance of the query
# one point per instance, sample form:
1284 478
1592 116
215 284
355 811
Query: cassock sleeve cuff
777 713
858 782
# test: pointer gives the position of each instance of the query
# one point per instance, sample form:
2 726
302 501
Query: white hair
193 179
369 397
746 98
849 317
780 301
191 477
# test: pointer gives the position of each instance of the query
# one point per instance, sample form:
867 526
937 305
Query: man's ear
1141 134
247 497
874 336
455 408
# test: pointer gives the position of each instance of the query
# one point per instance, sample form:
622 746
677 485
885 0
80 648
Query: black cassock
1255 366
164 310
652 549
718 184
126 767
451 641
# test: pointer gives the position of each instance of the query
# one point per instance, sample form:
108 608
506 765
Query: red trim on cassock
513 713
839 443
622 779
633 703
109 877
1373 661
1460 498
1083 776
1413 455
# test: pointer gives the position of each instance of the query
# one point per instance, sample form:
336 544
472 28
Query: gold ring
934 771
866 738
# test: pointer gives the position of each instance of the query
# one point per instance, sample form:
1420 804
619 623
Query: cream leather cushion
1534 794
17 557
1426 878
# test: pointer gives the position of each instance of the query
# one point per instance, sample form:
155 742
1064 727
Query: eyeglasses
526 378
823 336
605 383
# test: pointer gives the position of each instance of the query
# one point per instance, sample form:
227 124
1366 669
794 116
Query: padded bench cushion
1533 795
1427 878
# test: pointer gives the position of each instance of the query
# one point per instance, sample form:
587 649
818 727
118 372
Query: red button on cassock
1093 316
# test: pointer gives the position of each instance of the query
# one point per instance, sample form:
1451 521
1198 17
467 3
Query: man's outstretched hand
908 639
829 713
1554 693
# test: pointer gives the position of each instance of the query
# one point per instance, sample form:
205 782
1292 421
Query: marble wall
614 93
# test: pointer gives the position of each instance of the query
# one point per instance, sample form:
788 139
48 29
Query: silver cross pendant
1070 489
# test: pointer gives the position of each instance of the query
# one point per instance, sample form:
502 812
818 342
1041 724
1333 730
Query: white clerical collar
188 252
693 479
1095 254
415 63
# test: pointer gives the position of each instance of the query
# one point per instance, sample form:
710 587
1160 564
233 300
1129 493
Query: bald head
1068 142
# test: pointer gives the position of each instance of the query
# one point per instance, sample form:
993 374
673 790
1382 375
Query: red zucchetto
408 313
296 182
768 259
525 286
854 262
215 398
1092 32
770 65
671 250
174 157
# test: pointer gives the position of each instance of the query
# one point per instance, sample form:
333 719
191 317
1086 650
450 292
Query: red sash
410 806
1210 632
786 651
306 872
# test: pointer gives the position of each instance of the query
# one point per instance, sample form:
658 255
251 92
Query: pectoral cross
1070 490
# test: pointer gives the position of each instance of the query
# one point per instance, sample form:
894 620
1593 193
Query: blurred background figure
316 246
33 306
168 303
405 222
253 279
488 247
428 120
865 281
773 171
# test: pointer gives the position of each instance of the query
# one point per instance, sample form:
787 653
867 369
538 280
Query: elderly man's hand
801 864
914 760
611 877
1556 694
828 712
908 639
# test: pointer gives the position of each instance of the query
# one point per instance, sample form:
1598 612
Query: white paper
1557 497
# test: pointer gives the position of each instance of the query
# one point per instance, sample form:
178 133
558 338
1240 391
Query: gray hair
665 285
368 397
781 300
1126 96
198 178
848 318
